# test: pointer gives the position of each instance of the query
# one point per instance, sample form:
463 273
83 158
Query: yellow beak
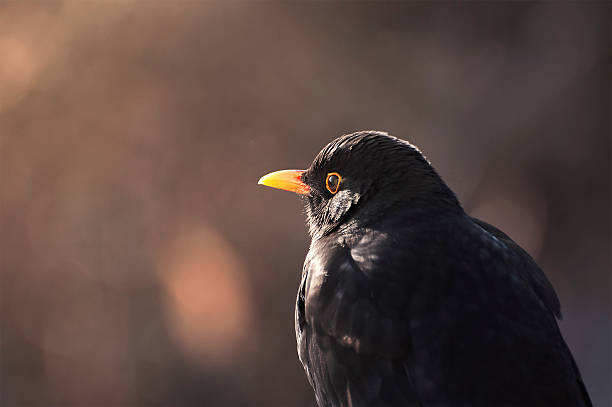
289 180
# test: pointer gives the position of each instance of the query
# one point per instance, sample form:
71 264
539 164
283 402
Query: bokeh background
140 264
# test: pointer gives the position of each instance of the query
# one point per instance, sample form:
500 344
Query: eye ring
332 182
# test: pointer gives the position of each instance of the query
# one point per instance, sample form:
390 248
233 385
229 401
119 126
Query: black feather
406 300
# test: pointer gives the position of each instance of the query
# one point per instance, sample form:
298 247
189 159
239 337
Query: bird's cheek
340 204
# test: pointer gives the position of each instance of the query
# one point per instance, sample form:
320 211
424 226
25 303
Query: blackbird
407 300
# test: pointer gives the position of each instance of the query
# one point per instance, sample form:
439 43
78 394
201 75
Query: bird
406 300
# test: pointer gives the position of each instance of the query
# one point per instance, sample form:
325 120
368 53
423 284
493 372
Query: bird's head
360 176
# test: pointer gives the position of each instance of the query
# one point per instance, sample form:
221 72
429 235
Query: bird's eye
332 182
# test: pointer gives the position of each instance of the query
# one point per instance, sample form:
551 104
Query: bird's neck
400 213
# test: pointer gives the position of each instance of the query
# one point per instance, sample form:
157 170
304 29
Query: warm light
207 297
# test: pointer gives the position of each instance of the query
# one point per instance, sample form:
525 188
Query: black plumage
407 300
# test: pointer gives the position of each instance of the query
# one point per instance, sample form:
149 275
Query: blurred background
140 263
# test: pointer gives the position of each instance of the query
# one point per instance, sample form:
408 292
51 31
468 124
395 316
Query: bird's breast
343 301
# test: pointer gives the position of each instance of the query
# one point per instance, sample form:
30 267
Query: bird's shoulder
525 265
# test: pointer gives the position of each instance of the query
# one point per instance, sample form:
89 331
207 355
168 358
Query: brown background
140 264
